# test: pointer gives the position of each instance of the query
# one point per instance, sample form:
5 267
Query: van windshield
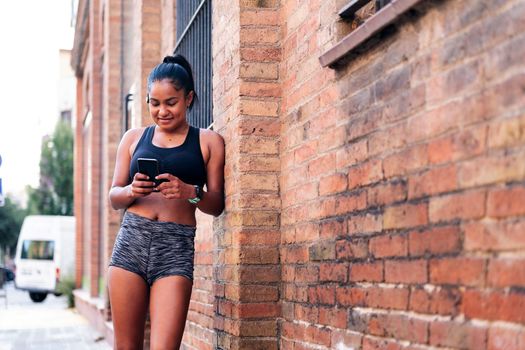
40 250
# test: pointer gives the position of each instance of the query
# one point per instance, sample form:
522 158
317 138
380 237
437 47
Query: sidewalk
48 325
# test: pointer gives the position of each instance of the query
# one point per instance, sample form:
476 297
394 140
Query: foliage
11 218
66 287
54 196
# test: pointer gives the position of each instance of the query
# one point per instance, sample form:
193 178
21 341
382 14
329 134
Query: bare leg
169 302
128 295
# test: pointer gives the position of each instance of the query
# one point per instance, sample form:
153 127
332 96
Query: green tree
11 218
54 196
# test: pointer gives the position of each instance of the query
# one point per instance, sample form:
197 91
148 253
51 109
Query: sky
31 34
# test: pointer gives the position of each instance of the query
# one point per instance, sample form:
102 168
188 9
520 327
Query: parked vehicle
45 254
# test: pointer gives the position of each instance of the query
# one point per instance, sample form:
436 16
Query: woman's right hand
140 186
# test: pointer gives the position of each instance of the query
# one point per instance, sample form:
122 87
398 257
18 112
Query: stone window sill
371 26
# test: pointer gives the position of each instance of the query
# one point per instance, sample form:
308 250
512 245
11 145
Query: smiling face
167 105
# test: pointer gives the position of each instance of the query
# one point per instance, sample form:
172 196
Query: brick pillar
78 183
247 101
169 29
112 121
96 163
147 26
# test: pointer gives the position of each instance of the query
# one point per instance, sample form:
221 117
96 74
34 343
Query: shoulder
133 135
211 137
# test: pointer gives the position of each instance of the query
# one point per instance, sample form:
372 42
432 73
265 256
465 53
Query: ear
147 98
189 98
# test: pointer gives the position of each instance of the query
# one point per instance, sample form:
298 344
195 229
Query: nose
163 111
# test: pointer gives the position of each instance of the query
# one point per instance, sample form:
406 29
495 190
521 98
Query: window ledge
371 26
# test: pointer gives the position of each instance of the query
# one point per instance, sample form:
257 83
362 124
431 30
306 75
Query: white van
45 253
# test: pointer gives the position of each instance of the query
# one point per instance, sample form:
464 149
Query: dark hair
178 70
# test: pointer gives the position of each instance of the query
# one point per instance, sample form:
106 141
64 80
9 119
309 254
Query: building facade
374 169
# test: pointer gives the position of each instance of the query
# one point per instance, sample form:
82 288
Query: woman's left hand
174 188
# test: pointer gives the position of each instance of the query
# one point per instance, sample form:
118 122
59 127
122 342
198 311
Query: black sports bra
184 161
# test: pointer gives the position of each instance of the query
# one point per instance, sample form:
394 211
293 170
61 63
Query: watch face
198 191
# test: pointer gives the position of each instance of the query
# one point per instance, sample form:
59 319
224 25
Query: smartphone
150 167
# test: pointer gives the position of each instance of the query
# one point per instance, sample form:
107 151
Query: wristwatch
198 195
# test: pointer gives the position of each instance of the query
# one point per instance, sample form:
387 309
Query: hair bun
169 59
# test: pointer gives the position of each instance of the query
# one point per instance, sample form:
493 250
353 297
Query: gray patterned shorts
154 249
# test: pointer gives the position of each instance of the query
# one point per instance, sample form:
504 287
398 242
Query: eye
154 103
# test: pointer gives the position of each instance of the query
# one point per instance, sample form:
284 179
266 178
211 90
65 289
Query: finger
166 176
140 176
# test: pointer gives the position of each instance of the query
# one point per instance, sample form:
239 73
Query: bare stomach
156 207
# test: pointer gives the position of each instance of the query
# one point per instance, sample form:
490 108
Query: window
38 250
368 17
194 42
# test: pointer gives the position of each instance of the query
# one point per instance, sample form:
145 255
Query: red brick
305 151
354 249
461 145
365 174
509 132
431 182
333 139
350 296
457 335
496 168
387 298
323 165
351 154
335 272
406 161
438 240
506 272
332 184
467 205
306 274
494 235
317 335
343 204
332 316
380 344
365 223
405 215
345 339
333 228
399 327
294 254
389 246
506 202
368 272
321 294
308 314
494 305
414 271
502 337
306 232
258 293
391 192
461 271
441 301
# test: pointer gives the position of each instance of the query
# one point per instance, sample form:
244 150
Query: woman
152 260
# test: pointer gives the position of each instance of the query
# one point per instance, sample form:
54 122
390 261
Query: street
47 325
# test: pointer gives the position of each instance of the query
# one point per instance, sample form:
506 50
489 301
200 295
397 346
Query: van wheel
37 297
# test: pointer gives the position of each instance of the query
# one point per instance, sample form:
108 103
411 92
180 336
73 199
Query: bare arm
213 199
122 193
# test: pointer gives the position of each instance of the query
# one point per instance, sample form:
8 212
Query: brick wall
246 106
402 181
375 206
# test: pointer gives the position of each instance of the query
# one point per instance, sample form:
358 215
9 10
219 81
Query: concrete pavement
47 325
